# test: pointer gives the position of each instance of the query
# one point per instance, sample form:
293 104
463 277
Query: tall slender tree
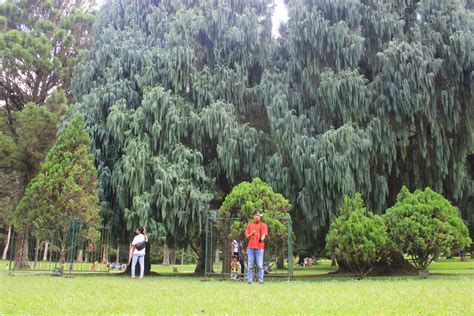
64 191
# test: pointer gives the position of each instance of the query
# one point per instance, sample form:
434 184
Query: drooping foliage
65 189
357 236
166 90
372 95
424 224
185 99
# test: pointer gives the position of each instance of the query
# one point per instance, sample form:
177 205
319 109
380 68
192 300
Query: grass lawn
102 294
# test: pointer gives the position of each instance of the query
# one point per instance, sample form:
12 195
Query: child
234 268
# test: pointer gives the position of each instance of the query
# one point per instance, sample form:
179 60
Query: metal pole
207 250
290 249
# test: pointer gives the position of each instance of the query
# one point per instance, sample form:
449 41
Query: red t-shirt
261 229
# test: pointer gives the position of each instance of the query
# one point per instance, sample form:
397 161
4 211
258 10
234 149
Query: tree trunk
201 252
166 255
7 245
21 251
228 254
80 255
86 257
62 256
37 250
45 253
280 261
105 254
117 259
437 255
333 260
173 256
182 257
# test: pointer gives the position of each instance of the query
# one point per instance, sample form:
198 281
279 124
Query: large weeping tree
169 91
185 99
368 96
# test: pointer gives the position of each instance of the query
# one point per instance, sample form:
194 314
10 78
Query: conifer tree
65 190
185 99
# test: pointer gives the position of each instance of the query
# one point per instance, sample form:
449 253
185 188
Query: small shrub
424 223
358 237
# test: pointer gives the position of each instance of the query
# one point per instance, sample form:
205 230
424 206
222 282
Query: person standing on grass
256 231
137 249
234 268
238 251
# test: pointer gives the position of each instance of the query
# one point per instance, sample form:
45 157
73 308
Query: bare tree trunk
117 259
173 256
7 245
62 256
182 257
105 254
37 250
45 253
200 250
86 257
166 255
80 255
21 251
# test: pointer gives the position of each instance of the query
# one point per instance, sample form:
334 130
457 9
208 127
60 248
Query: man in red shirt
257 231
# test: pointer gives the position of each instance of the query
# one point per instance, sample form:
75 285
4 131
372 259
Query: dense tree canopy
39 45
185 99
64 190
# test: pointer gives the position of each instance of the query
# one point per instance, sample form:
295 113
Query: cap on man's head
258 212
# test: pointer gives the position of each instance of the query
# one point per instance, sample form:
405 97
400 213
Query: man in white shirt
137 247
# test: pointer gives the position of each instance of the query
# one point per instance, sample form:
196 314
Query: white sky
279 15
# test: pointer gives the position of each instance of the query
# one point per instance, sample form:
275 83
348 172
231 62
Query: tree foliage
357 237
245 198
65 189
39 45
186 99
25 142
424 223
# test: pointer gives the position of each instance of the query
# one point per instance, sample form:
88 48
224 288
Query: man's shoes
249 282
260 283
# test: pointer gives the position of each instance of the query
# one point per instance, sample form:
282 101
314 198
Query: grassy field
102 294
451 293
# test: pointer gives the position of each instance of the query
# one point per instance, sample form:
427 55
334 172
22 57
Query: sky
279 15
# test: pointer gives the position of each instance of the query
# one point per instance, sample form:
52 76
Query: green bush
357 237
248 196
424 223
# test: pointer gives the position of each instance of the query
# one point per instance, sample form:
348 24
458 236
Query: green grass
105 294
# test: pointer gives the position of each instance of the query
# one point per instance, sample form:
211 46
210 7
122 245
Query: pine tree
65 190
